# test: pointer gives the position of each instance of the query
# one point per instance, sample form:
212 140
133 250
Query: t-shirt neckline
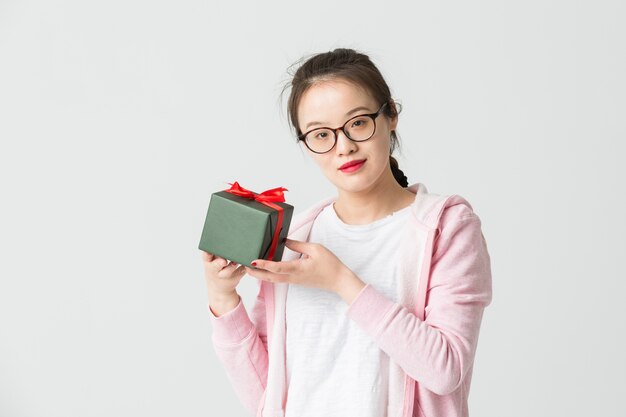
368 226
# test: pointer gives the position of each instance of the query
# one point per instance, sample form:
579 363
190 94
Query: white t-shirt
334 369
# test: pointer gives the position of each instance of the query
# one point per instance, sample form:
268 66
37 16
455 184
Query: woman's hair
352 66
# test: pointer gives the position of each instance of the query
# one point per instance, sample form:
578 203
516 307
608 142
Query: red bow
266 197
274 194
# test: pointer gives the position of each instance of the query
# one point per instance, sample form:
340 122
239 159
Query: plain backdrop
118 120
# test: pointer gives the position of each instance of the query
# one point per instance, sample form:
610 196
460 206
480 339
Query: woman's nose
344 144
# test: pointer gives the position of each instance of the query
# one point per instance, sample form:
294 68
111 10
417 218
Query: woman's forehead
332 100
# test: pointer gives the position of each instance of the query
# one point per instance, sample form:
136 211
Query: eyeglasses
358 129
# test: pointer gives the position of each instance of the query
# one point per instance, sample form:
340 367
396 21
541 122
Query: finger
230 270
267 275
206 256
238 267
282 267
299 246
218 263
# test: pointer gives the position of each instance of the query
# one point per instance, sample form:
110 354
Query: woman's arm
439 351
241 346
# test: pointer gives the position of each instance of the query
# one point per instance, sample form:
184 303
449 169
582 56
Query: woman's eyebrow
351 112
356 109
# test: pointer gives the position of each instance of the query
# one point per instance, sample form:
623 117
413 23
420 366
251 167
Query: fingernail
253 263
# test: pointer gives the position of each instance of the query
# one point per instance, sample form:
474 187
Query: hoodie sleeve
241 345
439 351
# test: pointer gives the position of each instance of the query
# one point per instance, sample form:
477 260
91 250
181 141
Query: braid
397 172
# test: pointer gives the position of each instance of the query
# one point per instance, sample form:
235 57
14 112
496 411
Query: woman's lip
353 168
353 163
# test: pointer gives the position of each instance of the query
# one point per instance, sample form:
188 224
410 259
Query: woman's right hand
222 278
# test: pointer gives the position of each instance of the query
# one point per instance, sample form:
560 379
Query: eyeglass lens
359 128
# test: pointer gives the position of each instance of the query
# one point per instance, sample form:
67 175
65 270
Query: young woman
376 306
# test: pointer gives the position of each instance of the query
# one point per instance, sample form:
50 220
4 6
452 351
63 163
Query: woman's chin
353 184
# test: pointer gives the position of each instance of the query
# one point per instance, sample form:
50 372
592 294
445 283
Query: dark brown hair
352 66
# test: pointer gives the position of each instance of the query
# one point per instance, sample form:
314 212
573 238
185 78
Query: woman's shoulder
433 208
457 208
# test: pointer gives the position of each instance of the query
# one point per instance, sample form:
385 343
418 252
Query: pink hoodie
430 333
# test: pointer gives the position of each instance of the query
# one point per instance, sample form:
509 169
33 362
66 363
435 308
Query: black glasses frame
372 116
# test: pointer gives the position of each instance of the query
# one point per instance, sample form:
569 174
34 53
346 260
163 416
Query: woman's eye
360 123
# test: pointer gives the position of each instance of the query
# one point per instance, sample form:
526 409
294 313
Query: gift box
242 226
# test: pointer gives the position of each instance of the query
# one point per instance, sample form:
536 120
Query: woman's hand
222 277
317 268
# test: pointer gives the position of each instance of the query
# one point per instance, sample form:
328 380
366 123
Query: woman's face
331 104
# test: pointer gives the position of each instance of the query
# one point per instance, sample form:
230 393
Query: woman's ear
397 107
393 121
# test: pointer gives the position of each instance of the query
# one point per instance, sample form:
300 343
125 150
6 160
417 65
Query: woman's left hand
317 268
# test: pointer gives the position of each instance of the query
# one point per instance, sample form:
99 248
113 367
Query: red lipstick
352 166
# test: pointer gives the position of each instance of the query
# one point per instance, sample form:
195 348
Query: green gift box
240 225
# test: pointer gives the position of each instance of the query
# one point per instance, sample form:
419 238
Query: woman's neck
367 206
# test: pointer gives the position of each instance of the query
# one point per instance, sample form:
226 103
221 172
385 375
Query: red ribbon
267 197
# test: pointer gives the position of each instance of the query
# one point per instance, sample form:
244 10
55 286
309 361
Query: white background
118 120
